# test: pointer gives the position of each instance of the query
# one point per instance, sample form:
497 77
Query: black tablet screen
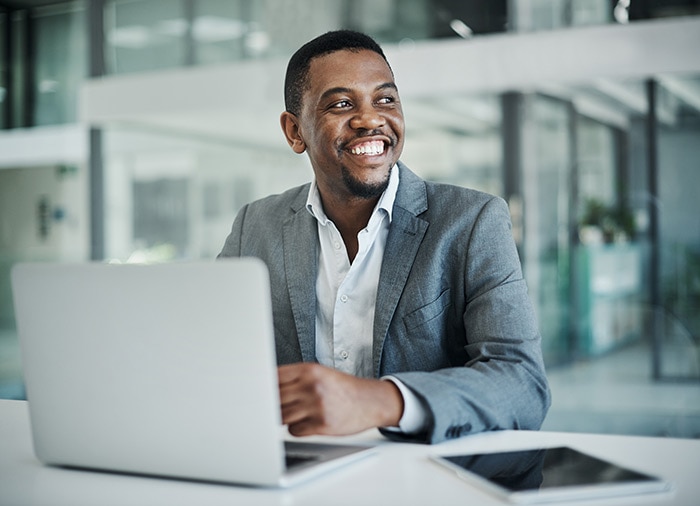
545 468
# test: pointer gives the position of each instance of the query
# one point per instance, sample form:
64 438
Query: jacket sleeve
502 384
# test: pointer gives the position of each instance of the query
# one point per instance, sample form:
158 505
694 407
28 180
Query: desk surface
399 474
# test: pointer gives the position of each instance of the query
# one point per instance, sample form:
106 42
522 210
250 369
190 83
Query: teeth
369 148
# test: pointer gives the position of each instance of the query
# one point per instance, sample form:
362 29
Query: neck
349 216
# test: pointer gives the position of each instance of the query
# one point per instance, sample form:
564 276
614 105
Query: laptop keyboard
296 459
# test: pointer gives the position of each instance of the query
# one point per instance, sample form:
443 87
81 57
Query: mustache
361 134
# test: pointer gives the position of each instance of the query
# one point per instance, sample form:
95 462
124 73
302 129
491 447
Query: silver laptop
163 369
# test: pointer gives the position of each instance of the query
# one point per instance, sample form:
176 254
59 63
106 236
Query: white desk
399 474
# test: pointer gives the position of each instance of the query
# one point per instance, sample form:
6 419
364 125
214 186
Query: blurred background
133 130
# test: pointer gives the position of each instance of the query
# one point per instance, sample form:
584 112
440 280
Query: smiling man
397 303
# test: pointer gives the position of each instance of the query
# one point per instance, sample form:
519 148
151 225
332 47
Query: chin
365 189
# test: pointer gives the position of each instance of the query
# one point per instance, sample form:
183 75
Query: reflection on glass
144 35
548 474
519 470
60 64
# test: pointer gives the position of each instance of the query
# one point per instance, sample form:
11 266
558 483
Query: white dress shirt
346 294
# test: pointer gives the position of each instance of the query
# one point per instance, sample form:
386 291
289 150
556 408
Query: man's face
351 123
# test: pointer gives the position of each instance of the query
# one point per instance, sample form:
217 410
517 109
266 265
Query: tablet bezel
592 490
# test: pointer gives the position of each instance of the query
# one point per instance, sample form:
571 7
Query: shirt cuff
414 417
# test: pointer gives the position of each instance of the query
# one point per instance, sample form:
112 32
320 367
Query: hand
320 400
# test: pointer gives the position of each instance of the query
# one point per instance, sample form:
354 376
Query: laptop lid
160 369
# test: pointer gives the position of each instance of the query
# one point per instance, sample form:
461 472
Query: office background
133 130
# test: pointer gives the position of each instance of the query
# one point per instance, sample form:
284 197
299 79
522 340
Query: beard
362 189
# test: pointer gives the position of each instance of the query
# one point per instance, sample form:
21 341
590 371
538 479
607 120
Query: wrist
389 404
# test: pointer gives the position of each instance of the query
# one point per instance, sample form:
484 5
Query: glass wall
46 45
59 61
535 15
457 141
597 160
228 30
147 35
43 58
547 162
19 69
678 179
172 197
4 68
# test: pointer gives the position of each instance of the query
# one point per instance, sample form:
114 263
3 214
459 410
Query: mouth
373 147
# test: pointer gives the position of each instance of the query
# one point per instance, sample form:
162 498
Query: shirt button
343 298
344 354
336 245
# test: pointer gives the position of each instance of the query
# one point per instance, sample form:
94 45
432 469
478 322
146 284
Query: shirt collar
386 201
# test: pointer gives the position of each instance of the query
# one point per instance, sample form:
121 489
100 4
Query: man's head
344 112
297 78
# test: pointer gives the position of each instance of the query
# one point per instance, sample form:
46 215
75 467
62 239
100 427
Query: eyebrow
341 89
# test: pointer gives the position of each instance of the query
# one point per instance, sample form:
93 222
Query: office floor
616 394
612 394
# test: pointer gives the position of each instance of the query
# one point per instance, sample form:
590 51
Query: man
398 303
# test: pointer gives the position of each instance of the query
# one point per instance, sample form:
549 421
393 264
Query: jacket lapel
301 265
405 236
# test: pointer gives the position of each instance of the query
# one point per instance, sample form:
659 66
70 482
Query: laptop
165 370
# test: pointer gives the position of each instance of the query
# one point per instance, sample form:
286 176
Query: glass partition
546 171
4 69
146 35
60 59
678 179
456 141
171 197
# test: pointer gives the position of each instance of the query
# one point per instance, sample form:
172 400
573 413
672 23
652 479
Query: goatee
360 188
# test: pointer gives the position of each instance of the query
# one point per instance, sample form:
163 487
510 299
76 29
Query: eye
341 104
386 100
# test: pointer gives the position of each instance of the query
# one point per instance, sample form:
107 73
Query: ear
292 131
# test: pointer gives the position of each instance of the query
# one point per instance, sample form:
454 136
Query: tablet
550 474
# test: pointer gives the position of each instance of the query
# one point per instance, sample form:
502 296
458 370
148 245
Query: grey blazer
453 321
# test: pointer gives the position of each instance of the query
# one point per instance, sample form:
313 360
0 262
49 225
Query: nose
367 117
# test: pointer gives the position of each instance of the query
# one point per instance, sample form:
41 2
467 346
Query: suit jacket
453 320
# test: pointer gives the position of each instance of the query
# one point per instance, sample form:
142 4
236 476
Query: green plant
611 220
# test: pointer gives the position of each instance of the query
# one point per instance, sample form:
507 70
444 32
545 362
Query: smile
371 148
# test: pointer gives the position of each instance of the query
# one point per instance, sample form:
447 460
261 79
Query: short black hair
297 77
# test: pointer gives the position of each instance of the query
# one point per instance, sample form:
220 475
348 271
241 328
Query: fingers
319 400
299 398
